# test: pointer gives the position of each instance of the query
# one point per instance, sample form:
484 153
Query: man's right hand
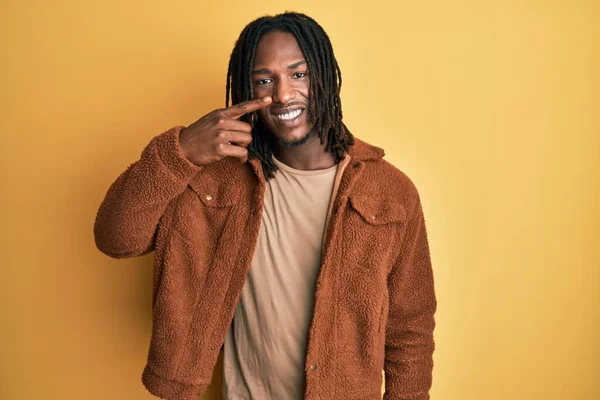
220 134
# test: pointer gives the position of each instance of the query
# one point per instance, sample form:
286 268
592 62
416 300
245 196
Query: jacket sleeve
412 305
128 217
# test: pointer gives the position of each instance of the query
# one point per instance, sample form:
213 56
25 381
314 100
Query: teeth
289 116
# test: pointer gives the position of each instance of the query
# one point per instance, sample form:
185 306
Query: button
253 212
373 217
208 197
356 165
228 304
313 366
243 260
212 347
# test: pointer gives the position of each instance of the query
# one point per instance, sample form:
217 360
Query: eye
300 75
264 81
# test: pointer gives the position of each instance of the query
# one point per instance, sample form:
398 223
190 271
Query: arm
128 217
126 222
412 304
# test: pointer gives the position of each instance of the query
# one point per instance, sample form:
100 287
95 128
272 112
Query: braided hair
325 107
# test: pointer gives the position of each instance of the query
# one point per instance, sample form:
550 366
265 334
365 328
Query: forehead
277 48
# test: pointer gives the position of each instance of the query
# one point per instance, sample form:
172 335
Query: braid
325 107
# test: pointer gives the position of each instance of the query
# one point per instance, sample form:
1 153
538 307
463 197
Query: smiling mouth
289 115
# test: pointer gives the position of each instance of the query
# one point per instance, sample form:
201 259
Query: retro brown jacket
374 300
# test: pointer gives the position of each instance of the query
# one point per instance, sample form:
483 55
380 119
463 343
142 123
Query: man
278 237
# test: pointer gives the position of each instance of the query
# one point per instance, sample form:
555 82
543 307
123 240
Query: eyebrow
266 71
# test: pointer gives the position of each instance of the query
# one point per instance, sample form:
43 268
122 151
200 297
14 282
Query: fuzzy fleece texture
374 302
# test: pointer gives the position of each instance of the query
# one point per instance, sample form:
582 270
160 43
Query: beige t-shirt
265 347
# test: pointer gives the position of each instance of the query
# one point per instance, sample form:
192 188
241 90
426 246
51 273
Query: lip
280 111
288 123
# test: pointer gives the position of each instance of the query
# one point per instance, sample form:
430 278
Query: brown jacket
374 302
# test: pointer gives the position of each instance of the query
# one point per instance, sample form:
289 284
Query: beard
296 142
259 128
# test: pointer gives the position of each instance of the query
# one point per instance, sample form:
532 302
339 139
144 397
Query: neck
309 156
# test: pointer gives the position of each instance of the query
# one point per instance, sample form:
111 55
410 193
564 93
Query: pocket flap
378 211
214 193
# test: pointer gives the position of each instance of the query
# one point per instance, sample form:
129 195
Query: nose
283 91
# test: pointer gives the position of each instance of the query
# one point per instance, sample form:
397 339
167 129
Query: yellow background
491 107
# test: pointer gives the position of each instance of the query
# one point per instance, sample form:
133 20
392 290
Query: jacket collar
359 151
363 151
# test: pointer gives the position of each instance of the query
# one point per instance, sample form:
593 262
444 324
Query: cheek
262 114
260 91
303 88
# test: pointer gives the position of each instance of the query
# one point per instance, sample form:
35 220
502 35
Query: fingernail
267 99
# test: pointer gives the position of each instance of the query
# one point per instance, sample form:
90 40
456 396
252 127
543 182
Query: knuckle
221 134
220 148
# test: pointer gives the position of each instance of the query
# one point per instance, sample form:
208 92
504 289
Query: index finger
245 107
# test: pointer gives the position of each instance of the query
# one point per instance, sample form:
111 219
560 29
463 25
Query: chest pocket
372 233
213 193
378 211
209 206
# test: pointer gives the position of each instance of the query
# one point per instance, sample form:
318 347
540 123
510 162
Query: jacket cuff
171 155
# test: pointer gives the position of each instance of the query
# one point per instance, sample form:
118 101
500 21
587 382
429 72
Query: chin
293 140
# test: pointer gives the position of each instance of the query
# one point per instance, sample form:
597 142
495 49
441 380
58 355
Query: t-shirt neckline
294 171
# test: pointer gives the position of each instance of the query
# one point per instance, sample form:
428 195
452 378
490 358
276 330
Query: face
280 71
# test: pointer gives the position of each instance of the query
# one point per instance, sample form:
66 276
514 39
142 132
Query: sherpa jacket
374 300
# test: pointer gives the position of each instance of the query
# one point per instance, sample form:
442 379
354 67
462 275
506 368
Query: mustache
287 106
